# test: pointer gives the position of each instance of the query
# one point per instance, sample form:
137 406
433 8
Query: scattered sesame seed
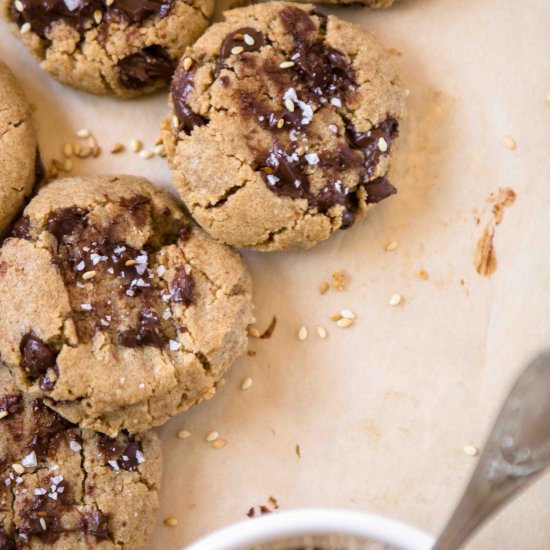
175 122
3 414
470 450
212 436
77 148
335 317
253 331
98 16
89 275
158 141
25 28
548 99
109 2
145 154
68 150
67 165
302 333
382 145
348 314
237 50
218 444
160 150
184 434
422 274
187 63
130 263
344 323
407 92
43 524
324 288
248 40
395 300
509 142
321 331
289 104
19 5
238 36
246 384
136 145
83 133
286 64
280 123
171 522
117 148
18 469
392 245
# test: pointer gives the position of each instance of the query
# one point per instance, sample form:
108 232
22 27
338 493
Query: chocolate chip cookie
20 166
123 47
282 127
116 310
71 488
368 3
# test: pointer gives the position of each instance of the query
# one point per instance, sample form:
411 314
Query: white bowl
323 528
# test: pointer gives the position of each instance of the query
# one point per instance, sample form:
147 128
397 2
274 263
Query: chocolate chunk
96 523
297 23
148 332
145 67
37 356
125 450
182 86
285 176
49 429
46 383
136 11
236 39
378 190
20 229
11 404
182 287
6 541
65 222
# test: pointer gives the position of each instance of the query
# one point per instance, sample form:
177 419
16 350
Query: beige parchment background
382 410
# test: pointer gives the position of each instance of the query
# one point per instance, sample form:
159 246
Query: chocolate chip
48 430
125 450
297 23
11 404
37 356
378 190
237 39
146 67
65 222
95 522
148 332
182 287
21 227
182 86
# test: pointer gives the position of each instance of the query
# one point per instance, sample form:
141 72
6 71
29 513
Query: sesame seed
43 524
117 148
175 122
68 150
335 317
25 28
67 165
212 436
422 274
289 104
184 434
407 92
392 245
3 414
109 2
98 16
130 263
344 323
145 154
171 522
237 50
348 314
548 99
254 332
324 288
395 300
83 133
158 141
89 275
160 150
321 332
19 5
238 36
136 145
219 443
187 63
248 40
280 123
302 334
18 469
470 450
246 384
77 148
286 64
382 145
509 142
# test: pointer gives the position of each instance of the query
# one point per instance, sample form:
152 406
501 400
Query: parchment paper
381 411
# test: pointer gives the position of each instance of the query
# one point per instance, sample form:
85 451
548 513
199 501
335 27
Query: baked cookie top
70 488
122 47
283 122
117 311
19 159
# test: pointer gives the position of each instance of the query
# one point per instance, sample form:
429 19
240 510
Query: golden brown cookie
282 127
117 311
122 47
19 158
68 488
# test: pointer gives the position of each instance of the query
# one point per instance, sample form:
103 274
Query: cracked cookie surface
282 127
122 47
118 312
19 158
69 488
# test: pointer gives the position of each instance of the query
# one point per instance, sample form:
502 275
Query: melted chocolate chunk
236 39
125 450
66 222
96 523
183 287
145 67
148 333
182 86
6 541
37 356
20 229
42 14
298 23
49 429
45 383
379 189
11 404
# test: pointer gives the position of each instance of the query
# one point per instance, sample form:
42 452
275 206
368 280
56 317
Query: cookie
116 311
122 47
20 162
368 3
282 127
71 488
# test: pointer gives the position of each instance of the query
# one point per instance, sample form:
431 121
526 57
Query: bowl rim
315 521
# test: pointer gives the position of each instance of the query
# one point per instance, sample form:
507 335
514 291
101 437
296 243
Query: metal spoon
517 450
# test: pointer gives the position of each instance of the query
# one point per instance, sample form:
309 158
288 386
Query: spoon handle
517 449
